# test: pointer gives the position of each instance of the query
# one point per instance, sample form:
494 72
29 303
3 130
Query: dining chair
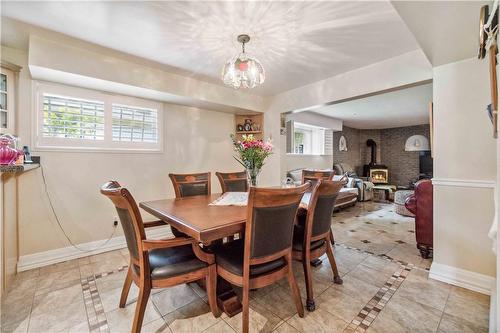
233 181
314 175
190 184
264 255
158 263
314 238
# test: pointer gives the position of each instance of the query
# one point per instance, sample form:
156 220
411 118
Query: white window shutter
328 142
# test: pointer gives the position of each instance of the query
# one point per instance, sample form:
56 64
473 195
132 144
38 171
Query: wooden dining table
198 218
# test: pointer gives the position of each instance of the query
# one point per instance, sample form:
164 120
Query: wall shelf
256 121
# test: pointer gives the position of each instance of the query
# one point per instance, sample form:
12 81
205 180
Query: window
67 117
308 139
134 124
75 118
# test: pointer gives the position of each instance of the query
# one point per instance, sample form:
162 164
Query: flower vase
252 174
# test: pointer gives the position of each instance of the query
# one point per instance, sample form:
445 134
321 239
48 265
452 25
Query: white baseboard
462 278
55 256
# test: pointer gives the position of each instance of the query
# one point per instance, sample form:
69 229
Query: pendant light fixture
243 70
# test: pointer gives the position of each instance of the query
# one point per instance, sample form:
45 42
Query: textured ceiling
297 42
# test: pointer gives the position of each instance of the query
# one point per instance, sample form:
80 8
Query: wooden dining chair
264 255
190 184
158 263
314 175
313 239
233 181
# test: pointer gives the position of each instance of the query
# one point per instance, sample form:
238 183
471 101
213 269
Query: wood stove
379 176
378 173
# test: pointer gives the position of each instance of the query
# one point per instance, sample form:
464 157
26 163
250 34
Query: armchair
420 204
364 184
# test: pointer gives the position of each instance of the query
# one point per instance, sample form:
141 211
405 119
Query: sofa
364 184
420 204
350 187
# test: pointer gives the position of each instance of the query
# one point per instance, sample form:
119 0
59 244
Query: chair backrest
313 175
271 215
320 208
130 218
424 211
233 181
190 184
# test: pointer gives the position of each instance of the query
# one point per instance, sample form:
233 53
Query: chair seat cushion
298 239
230 256
169 262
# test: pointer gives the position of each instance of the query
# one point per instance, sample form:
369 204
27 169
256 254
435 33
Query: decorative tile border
371 310
98 322
95 311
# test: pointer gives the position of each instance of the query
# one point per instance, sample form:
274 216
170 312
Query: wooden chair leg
294 288
126 288
246 308
142 302
332 240
310 305
211 286
331 258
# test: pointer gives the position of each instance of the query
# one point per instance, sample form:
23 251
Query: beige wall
464 167
195 140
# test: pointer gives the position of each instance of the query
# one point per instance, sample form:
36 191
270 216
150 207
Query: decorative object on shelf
8 155
251 154
488 30
417 143
243 70
342 144
248 125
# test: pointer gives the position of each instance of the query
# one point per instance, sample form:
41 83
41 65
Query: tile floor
386 289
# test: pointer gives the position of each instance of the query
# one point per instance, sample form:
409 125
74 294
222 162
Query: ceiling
405 107
297 42
447 31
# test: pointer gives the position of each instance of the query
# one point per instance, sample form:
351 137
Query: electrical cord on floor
60 225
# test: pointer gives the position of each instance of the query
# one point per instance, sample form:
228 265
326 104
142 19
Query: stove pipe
373 145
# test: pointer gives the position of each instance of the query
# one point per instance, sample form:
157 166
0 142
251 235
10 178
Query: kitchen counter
18 168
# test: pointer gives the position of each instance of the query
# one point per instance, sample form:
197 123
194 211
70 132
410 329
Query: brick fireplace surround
403 165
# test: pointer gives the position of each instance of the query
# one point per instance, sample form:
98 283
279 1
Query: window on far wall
308 139
73 118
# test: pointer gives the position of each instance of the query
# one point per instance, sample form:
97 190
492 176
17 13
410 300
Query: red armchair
420 204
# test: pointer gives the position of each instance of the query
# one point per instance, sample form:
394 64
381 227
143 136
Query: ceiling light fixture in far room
243 70
417 143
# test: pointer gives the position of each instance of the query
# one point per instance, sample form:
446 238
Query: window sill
293 154
97 150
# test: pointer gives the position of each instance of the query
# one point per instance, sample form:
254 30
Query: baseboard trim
463 182
55 256
462 278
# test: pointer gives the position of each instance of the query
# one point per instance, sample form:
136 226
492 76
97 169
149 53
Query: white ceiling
447 31
297 42
406 107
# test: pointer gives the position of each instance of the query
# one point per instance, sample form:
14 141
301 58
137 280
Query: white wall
464 174
195 140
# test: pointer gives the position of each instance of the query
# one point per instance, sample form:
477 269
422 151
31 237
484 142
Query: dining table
208 219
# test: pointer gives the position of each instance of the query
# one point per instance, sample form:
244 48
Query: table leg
227 299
